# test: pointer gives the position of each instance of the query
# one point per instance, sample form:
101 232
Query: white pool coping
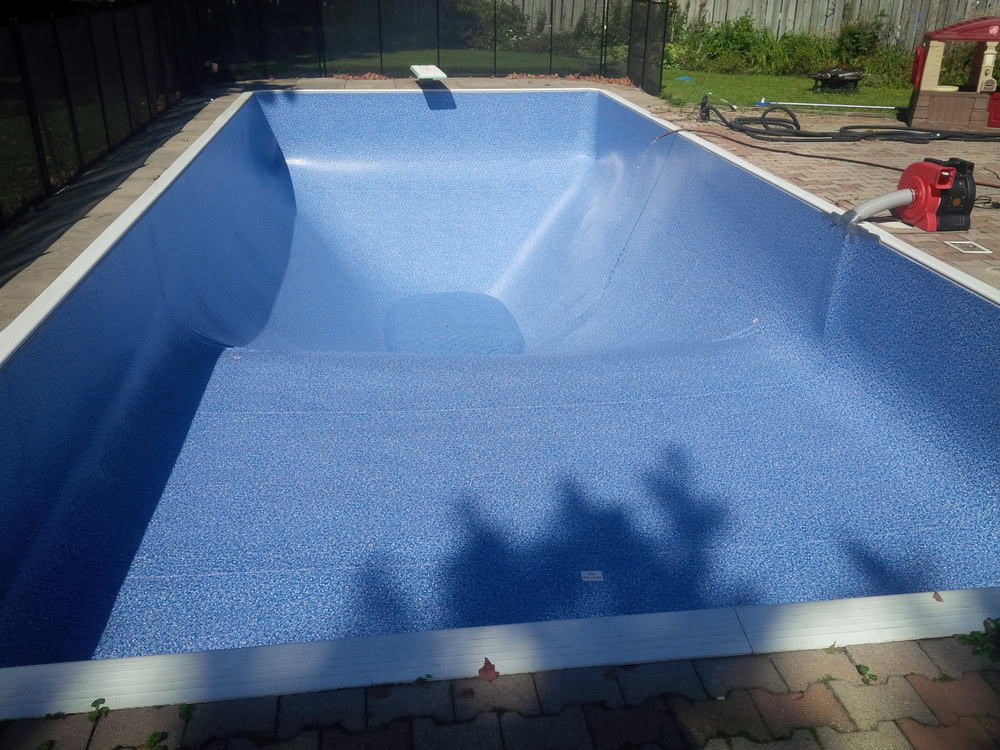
204 676
201 676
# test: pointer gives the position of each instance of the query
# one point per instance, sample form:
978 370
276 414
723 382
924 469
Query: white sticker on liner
591 575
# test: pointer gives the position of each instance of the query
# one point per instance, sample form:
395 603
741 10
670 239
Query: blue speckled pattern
390 362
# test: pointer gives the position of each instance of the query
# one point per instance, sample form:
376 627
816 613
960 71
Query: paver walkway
929 694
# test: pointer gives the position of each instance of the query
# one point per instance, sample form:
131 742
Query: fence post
495 38
663 47
65 80
628 53
142 60
121 69
29 98
320 38
645 44
172 53
158 44
175 46
260 38
381 59
97 77
194 63
603 65
552 12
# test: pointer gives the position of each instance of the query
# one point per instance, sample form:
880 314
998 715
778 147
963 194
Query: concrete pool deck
929 694
53 236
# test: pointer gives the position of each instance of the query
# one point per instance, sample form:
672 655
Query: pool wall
102 375
99 397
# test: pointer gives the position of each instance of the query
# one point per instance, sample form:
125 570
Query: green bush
956 63
860 39
740 46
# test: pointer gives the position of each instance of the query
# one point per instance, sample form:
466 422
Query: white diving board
427 72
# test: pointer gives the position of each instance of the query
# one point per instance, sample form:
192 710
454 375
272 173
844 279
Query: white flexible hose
877 205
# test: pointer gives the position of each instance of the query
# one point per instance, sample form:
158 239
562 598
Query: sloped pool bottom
668 370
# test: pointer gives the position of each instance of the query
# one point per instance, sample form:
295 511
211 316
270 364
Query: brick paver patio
578 709
929 694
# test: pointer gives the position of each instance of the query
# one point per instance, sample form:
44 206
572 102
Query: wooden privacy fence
906 20
566 14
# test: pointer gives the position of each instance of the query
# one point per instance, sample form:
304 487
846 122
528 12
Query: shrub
957 62
741 47
858 39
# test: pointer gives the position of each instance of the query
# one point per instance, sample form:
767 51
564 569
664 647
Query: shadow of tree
505 572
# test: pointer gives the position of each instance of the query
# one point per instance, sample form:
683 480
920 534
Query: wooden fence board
908 20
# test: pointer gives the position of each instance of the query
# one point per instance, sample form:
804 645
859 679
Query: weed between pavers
99 712
985 641
867 676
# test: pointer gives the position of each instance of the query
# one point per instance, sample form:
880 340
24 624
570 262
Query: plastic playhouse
974 106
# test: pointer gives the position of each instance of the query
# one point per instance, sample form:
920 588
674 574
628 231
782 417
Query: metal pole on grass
142 60
495 38
158 43
628 54
663 47
121 69
645 44
603 66
260 38
552 12
381 59
97 77
29 98
174 54
65 81
320 38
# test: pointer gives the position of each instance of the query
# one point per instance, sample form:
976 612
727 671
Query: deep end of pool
371 364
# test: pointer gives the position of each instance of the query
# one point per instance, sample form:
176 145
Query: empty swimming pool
394 362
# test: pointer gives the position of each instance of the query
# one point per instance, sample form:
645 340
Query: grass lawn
744 90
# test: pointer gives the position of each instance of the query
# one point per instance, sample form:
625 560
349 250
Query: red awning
976 30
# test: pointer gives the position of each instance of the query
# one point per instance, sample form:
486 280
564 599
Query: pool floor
382 494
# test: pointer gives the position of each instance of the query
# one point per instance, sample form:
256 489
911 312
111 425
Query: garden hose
788 129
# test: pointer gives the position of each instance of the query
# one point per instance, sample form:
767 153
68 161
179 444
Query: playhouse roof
977 30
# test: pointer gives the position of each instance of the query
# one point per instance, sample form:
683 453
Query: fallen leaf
468 693
487 672
937 597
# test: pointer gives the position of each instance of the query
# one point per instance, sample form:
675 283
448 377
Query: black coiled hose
763 127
